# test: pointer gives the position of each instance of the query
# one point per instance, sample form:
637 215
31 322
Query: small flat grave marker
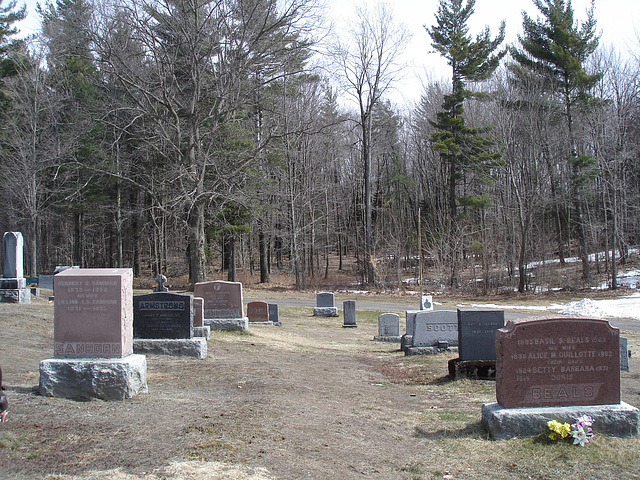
258 312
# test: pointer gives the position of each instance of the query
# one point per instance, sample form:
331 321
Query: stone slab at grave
274 314
434 331
223 307
388 328
325 305
406 340
93 338
624 354
13 285
349 314
258 312
163 325
476 343
199 328
558 368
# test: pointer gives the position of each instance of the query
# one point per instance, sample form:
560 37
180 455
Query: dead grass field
305 400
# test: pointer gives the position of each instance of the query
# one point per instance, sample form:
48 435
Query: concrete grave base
204 332
476 369
434 350
241 323
176 347
349 325
261 323
325 311
18 295
87 378
618 420
387 338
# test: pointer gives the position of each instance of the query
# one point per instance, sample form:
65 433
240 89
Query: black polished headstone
163 315
477 333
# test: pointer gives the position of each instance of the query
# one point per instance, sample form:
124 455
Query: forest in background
199 137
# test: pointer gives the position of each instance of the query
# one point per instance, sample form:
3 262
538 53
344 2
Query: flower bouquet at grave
579 432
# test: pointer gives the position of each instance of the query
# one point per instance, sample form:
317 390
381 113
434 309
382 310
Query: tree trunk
264 268
197 257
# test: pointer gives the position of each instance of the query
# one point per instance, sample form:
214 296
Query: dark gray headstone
274 313
163 315
624 354
325 299
389 324
477 333
349 313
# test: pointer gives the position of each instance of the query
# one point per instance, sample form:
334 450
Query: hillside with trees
238 138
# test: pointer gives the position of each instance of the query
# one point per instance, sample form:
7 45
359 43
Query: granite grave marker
258 312
163 315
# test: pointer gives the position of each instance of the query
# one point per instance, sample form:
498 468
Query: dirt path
306 400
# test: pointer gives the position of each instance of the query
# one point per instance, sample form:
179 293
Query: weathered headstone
161 287
388 328
560 369
325 305
223 307
274 314
13 285
198 312
258 312
433 328
93 337
349 314
624 354
163 315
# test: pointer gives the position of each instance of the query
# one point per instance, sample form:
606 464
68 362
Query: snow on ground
623 307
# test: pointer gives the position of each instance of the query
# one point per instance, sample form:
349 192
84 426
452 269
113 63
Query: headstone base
618 420
261 323
349 325
241 323
475 369
176 347
387 338
325 311
204 332
87 378
434 350
17 295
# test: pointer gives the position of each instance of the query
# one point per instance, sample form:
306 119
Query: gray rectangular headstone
13 247
163 315
434 327
274 313
325 299
624 354
477 333
349 312
410 318
389 324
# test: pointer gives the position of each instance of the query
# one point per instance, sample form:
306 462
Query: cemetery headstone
624 354
162 315
161 287
325 305
223 307
93 337
477 333
558 368
198 312
349 314
13 285
274 314
258 312
388 328
436 327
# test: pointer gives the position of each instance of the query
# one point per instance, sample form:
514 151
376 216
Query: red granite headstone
549 362
93 313
258 312
198 312
221 299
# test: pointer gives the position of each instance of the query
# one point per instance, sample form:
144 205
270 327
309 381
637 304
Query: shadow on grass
470 430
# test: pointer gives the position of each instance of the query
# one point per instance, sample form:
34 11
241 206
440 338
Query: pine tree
9 46
556 48
462 147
